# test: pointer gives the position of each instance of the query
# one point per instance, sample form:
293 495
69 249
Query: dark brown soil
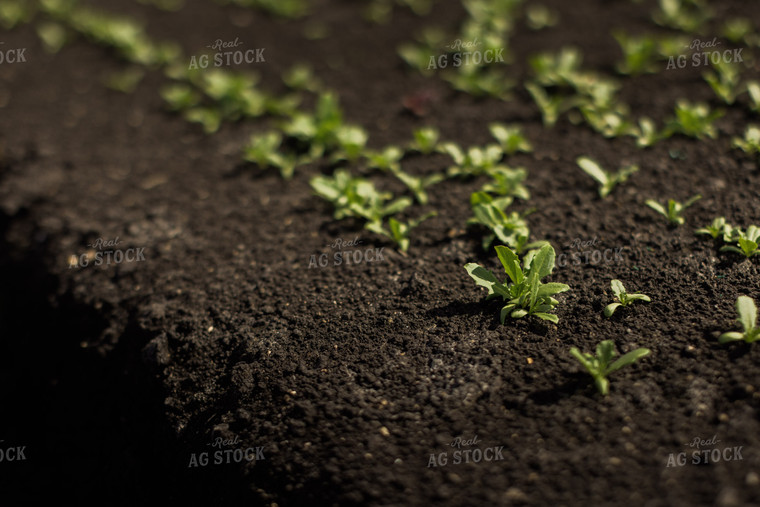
352 376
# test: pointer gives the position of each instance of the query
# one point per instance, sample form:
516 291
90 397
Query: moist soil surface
355 379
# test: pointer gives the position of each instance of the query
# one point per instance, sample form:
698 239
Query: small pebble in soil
723 417
384 431
615 461
752 479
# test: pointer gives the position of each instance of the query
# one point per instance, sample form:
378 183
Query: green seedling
623 297
718 228
351 141
747 311
475 162
425 140
357 197
263 150
524 292
753 89
607 181
551 106
747 241
751 142
14 12
301 77
510 228
538 17
599 366
418 55
686 15
608 122
399 231
674 209
695 120
560 69
386 160
418 184
506 181
481 81
510 138
726 82
647 134
639 54
53 36
739 30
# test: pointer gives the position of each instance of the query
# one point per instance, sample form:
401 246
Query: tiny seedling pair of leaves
418 184
600 366
399 231
607 181
358 197
639 54
263 150
623 297
674 209
425 140
506 181
511 229
526 294
747 311
510 137
747 242
551 106
718 228
750 144
474 162
694 120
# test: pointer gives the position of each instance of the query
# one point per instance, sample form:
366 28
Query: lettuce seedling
747 311
726 82
418 184
639 54
607 181
511 229
263 151
425 140
506 181
351 141
686 15
560 69
399 231
751 142
647 133
301 77
13 12
551 107
695 120
474 162
674 209
357 197
481 81
540 16
718 228
599 366
747 241
623 297
739 30
510 138
386 160
526 294
753 89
